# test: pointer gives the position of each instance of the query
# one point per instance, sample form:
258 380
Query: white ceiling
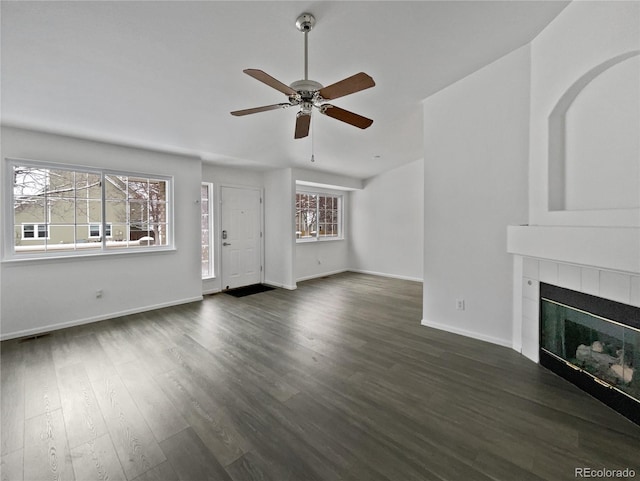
166 74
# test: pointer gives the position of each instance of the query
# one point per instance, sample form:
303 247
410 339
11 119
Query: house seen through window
73 209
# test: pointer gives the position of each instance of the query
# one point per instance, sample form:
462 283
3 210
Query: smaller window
95 231
35 231
318 216
206 213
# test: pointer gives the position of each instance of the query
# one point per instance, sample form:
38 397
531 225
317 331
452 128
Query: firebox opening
594 343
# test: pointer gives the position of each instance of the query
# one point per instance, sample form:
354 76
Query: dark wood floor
334 381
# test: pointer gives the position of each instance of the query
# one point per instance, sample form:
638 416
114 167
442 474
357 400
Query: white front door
241 241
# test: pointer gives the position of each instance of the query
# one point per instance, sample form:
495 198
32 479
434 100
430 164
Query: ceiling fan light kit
308 94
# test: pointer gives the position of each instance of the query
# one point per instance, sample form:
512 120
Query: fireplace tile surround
601 261
616 286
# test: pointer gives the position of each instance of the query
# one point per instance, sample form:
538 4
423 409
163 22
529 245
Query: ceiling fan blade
346 116
255 110
303 121
270 81
355 83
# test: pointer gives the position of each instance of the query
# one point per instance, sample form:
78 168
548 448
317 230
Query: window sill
319 239
21 260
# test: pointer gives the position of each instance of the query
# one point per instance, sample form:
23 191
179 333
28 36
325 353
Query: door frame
218 221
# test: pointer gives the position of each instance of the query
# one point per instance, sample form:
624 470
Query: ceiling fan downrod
306 55
305 24
306 89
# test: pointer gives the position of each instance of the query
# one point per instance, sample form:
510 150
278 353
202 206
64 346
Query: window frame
9 248
340 223
210 213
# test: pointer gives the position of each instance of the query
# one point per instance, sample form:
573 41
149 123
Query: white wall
386 220
475 184
279 187
326 179
221 175
584 40
224 176
581 238
42 295
602 141
321 258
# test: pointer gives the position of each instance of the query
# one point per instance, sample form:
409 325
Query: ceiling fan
308 94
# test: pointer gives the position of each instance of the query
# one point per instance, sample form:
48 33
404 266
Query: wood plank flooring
334 381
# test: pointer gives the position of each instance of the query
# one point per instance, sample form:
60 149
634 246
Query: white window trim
9 253
317 238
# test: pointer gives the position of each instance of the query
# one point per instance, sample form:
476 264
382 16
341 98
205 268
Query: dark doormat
248 290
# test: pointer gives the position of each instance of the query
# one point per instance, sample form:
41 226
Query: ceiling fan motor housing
307 90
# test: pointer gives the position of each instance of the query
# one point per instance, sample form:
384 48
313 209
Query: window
318 216
65 210
95 230
35 231
206 205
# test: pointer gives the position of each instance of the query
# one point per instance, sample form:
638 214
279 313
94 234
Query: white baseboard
384 274
278 284
211 291
78 322
471 334
323 274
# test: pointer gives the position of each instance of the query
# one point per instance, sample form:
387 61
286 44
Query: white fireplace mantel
611 248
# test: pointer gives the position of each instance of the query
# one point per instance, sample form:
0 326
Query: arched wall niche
594 145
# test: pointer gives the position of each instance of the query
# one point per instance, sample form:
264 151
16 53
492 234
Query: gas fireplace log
604 362
600 359
622 372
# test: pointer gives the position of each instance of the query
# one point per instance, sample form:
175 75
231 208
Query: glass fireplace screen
604 348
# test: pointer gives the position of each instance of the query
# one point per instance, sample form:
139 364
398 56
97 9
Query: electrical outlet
460 304
99 294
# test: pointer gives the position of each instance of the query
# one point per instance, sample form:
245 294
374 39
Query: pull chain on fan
313 131
308 94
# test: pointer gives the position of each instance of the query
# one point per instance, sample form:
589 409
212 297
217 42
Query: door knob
226 243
